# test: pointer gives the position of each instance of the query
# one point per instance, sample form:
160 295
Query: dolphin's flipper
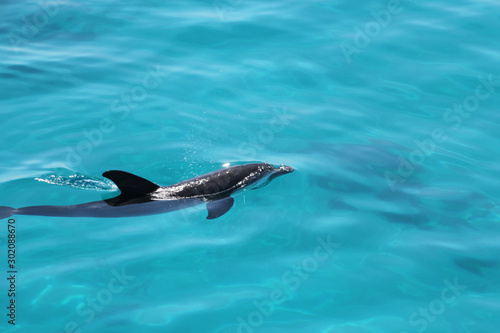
134 189
219 207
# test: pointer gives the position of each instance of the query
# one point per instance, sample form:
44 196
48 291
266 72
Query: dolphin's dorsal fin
219 207
134 189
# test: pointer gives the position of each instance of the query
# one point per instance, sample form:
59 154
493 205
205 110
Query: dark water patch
222 93
203 36
476 266
26 69
419 220
8 75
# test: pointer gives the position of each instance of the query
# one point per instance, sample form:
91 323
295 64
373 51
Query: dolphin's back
216 184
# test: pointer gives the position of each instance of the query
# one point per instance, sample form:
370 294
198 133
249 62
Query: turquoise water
388 111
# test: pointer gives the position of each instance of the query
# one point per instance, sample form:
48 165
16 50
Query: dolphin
140 197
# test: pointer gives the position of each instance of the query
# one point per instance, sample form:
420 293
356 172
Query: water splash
79 181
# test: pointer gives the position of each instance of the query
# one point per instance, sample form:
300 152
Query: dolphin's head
268 172
282 170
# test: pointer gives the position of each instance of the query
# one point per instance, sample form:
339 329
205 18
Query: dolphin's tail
6 212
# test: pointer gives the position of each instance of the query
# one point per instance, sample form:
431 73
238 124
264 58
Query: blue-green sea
387 110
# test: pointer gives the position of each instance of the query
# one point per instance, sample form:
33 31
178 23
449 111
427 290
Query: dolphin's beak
283 169
278 171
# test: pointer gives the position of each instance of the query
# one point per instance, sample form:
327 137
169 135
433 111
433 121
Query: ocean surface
387 110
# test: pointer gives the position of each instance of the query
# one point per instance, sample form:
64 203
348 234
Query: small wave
79 181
